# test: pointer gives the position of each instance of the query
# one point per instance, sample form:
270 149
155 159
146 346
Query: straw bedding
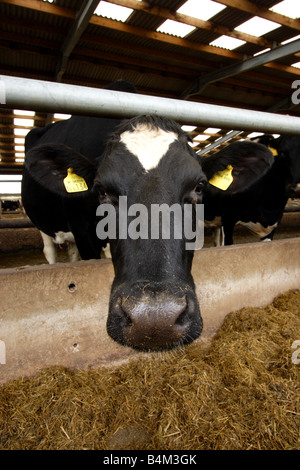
241 393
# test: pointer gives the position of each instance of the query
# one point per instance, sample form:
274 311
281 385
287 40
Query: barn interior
238 54
232 53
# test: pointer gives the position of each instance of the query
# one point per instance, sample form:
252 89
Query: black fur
155 274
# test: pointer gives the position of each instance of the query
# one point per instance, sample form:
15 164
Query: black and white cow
153 305
260 208
63 219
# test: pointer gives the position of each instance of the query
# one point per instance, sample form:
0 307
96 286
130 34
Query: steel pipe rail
37 95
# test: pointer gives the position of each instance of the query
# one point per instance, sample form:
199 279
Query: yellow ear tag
222 179
74 183
274 151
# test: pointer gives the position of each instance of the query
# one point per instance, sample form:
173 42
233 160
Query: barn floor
240 394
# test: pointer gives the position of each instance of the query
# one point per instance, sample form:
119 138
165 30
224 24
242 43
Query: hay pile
242 393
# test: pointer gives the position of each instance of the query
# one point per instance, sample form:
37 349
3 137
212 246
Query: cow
61 220
148 160
260 208
10 205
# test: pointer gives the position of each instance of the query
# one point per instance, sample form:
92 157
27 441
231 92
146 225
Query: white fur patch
62 237
148 144
258 229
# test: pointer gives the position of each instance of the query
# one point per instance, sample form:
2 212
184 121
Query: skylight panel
62 116
294 38
13 186
254 134
20 132
226 42
203 10
10 178
289 8
201 137
24 113
175 28
188 128
23 122
257 26
262 52
114 12
212 130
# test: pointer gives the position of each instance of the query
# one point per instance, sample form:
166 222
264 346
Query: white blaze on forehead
148 144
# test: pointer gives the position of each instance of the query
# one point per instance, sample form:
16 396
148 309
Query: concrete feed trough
56 315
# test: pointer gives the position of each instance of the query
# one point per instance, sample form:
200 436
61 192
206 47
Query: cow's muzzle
154 321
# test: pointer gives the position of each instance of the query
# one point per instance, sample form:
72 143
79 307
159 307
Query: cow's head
286 149
153 303
149 162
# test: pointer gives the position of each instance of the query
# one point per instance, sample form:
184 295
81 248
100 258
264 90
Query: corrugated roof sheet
31 42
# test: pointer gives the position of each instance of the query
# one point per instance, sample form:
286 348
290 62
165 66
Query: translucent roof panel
115 12
188 128
257 26
289 8
227 42
203 10
23 122
201 137
23 113
212 130
175 28
291 39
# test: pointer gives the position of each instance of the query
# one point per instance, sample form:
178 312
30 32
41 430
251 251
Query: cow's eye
199 187
103 196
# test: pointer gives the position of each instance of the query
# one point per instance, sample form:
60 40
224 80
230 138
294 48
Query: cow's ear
236 167
60 169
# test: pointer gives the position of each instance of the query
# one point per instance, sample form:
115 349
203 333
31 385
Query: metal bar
80 24
286 103
218 142
225 72
45 96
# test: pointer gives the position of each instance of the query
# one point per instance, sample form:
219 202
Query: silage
241 393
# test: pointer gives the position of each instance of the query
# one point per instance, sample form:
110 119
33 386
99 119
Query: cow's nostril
182 319
154 322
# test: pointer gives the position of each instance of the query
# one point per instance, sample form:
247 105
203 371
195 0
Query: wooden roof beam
37 5
43 7
191 21
249 7
124 27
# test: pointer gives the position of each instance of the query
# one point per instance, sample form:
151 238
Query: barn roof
65 41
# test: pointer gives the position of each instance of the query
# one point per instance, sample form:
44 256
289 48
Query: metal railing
52 97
